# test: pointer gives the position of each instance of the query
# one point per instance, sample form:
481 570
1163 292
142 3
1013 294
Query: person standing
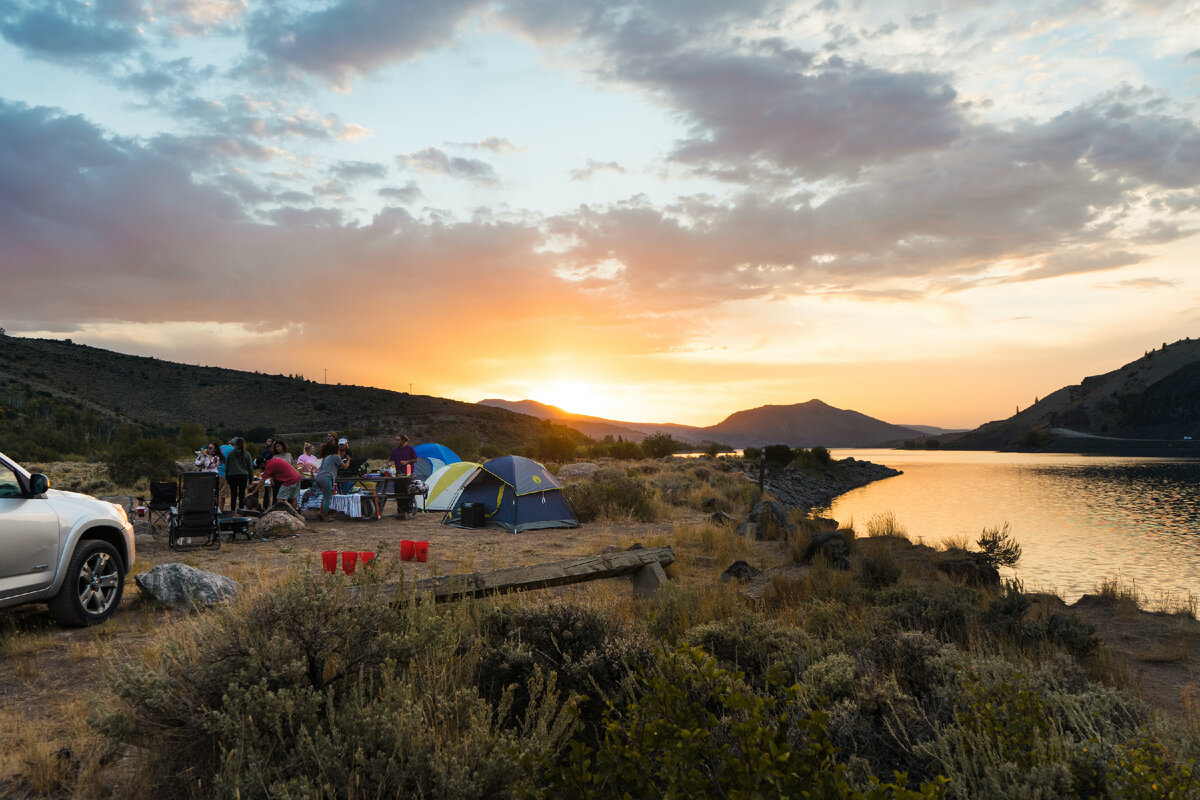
308 463
329 446
402 457
239 467
326 476
223 492
209 459
265 455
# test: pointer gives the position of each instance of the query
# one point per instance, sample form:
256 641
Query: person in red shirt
283 475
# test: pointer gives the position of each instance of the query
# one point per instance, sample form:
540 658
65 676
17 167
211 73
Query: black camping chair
195 518
163 495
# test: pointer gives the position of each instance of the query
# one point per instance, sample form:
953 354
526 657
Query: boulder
721 518
186 587
833 546
279 523
748 529
739 571
285 508
966 567
143 530
583 469
772 519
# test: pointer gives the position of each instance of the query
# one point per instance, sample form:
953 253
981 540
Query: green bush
878 569
144 458
659 445
590 653
778 455
693 729
306 692
766 651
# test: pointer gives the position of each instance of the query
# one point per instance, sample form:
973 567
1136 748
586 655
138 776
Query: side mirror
38 484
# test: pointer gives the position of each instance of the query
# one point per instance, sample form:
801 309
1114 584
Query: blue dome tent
517 494
437 452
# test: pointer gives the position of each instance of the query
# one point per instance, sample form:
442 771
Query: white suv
65 549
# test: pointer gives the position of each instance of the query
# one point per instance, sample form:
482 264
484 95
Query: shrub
303 691
695 730
590 653
878 569
659 445
610 492
778 455
886 524
999 547
144 458
766 651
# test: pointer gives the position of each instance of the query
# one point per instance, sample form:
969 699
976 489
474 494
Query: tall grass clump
304 691
886 524
612 493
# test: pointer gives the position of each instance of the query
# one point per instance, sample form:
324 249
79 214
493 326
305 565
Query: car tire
93 586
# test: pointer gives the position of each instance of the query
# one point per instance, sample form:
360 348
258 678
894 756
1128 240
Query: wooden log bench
644 566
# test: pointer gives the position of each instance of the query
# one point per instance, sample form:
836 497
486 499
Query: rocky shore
806 489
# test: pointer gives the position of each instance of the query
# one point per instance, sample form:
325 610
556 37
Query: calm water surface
1079 519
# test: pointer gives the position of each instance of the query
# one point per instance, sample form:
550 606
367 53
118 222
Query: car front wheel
92 589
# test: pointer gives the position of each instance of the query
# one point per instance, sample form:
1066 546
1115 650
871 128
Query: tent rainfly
517 494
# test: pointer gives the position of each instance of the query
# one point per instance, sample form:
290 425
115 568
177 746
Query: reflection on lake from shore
1079 519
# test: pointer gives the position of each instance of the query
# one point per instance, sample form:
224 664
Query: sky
666 211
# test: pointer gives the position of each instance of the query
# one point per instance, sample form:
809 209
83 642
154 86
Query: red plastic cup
406 549
365 557
421 550
329 561
349 561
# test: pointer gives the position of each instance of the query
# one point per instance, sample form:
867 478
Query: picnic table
384 488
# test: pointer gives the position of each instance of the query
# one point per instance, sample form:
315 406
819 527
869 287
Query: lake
1079 519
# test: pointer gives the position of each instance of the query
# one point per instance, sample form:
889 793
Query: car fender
83 517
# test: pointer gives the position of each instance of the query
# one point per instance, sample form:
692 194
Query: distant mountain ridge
1153 399
810 424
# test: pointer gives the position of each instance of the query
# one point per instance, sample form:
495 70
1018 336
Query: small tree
999 547
145 458
659 445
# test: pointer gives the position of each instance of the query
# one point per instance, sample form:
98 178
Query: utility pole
762 469
326 375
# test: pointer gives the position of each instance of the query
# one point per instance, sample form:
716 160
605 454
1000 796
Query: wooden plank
542 576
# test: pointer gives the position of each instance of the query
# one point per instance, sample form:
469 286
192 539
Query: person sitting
283 477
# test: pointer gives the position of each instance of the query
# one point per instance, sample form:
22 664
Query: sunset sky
654 211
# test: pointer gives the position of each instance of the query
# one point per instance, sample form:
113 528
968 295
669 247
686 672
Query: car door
29 539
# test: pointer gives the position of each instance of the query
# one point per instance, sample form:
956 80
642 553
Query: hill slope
42 380
1155 398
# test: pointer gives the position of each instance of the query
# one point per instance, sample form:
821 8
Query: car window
9 487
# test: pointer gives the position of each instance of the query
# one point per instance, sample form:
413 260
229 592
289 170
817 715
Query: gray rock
772 519
721 518
143 528
833 546
582 469
186 587
739 571
748 529
279 523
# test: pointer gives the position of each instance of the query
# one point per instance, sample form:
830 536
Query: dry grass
886 524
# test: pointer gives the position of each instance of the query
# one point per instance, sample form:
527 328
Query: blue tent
517 494
437 452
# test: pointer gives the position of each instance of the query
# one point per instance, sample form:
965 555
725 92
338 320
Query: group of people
281 476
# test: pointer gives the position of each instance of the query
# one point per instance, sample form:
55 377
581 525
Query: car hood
70 506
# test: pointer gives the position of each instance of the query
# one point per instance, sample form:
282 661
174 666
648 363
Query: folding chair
163 495
195 518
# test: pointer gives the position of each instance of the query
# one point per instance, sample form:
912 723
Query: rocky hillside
1155 399
47 381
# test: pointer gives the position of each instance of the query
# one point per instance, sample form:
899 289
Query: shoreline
806 489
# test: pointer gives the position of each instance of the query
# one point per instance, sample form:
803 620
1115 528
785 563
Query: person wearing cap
343 450
223 492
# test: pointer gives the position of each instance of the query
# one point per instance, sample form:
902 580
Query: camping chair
163 495
194 519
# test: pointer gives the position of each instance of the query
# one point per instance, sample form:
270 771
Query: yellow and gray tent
445 484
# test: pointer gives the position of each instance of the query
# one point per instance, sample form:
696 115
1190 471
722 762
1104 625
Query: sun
576 397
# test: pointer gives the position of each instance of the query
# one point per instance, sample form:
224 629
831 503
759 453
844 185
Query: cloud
408 193
435 161
68 29
359 170
1148 284
494 144
593 167
346 39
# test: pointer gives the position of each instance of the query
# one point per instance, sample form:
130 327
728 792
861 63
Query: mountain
64 389
1155 399
809 424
